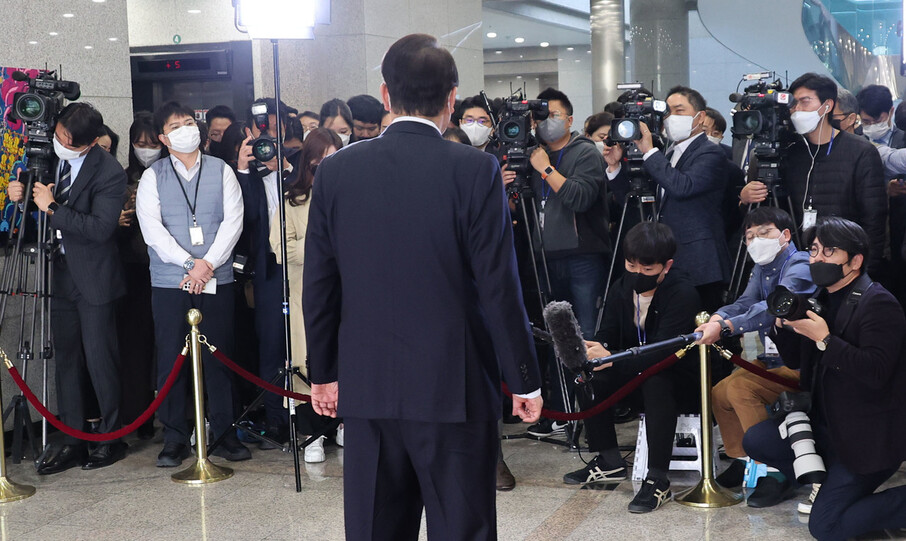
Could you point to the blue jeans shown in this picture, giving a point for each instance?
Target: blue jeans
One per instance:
(847, 505)
(579, 280)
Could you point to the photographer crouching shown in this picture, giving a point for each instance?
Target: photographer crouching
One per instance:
(851, 361)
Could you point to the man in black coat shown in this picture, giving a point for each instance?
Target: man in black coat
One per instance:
(852, 361)
(413, 311)
(83, 206)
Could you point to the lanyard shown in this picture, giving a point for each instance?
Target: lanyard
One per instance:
(545, 187)
(639, 328)
(192, 205)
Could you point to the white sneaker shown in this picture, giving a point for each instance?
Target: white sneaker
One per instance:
(806, 507)
(339, 435)
(314, 453)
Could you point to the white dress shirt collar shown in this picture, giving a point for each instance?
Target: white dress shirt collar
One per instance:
(418, 119)
(181, 169)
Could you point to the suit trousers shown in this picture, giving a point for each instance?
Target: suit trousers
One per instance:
(739, 402)
(169, 307)
(85, 344)
(271, 339)
(847, 505)
(395, 468)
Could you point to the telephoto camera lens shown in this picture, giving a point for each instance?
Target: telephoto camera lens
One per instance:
(808, 464)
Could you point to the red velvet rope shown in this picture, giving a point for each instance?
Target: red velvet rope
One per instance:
(248, 376)
(761, 372)
(131, 427)
(621, 393)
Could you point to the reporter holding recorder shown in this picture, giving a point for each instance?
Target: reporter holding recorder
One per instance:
(852, 361)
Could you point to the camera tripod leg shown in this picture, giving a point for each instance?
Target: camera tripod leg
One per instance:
(739, 264)
(613, 261)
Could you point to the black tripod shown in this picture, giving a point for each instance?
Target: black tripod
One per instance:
(27, 274)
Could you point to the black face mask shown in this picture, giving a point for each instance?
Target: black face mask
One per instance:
(642, 282)
(826, 274)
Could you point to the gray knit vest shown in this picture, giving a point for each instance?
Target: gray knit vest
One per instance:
(177, 217)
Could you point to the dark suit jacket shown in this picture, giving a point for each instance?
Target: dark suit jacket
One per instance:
(861, 378)
(254, 242)
(88, 222)
(691, 206)
(411, 295)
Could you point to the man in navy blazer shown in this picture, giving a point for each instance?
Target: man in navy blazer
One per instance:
(691, 180)
(413, 311)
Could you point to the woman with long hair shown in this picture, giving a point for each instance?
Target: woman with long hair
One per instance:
(319, 144)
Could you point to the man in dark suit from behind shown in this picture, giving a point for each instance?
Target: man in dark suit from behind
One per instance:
(83, 206)
(691, 177)
(412, 345)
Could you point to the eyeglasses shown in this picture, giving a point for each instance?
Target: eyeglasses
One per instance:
(807, 102)
(760, 233)
(558, 115)
(827, 251)
(484, 122)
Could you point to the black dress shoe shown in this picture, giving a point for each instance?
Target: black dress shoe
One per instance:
(505, 479)
(770, 492)
(68, 456)
(106, 454)
(232, 449)
(173, 454)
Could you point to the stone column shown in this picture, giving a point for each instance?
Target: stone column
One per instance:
(660, 42)
(607, 51)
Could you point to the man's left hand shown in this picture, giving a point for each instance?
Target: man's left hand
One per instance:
(646, 143)
(528, 409)
(324, 398)
(710, 333)
(814, 327)
(540, 159)
(42, 195)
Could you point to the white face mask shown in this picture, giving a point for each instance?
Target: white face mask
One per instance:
(805, 122)
(184, 139)
(477, 133)
(146, 156)
(679, 127)
(876, 132)
(64, 153)
(715, 139)
(600, 145)
(763, 251)
(344, 138)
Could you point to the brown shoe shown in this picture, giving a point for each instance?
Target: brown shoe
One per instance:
(505, 479)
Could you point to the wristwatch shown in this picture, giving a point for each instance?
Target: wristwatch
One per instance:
(547, 172)
(822, 344)
(189, 264)
(725, 329)
(53, 207)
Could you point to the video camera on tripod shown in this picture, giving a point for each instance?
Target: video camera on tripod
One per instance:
(514, 134)
(639, 106)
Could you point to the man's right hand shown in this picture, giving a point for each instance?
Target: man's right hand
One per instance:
(15, 191)
(508, 176)
(528, 409)
(710, 333)
(245, 152)
(202, 272)
(753, 192)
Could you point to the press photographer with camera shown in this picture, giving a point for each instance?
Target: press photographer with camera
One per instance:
(828, 172)
(740, 399)
(83, 206)
(691, 180)
(851, 359)
(649, 303)
(567, 181)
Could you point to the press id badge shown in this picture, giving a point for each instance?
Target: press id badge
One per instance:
(770, 348)
(196, 235)
(541, 215)
(809, 218)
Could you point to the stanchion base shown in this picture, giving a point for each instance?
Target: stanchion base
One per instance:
(707, 493)
(201, 472)
(10, 491)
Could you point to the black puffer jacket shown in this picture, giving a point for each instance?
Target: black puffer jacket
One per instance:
(848, 182)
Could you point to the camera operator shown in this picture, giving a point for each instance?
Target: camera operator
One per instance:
(740, 399)
(83, 207)
(829, 172)
(852, 361)
(476, 123)
(649, 303)
(692, 180)
(189, 207)
(261, 195)
(568, 185)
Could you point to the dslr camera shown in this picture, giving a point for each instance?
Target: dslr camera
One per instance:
(785, 304)
(763, 114)
(264, 148)
(38, 108)
(792, 409)
(514, 133)
(639, 106)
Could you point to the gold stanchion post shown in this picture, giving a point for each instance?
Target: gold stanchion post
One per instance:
(9, 490)
(707, 493)
(203, 471)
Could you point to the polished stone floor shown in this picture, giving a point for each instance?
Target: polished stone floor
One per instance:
(134, 500)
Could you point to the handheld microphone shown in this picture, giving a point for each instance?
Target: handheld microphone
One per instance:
(736, 97)
(566, 336)
(680, 340)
